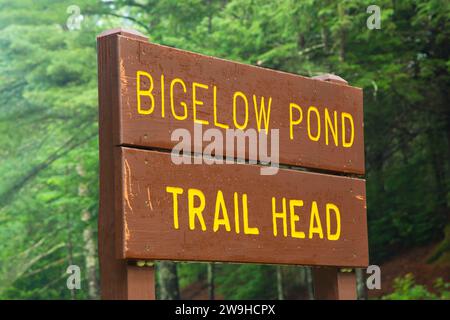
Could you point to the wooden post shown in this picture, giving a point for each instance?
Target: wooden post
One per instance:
(331, 283)
(119, 279)
(141, 282)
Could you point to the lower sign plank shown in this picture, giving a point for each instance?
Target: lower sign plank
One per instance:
(231, 213)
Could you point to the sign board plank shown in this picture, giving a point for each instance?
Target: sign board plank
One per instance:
(162, 89)
(230, 213)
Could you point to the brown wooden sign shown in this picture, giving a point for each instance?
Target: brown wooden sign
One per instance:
(154, 209)
(161, 89)
(232, 213)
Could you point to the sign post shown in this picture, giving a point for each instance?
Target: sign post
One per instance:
(311, 212)
(120, 279)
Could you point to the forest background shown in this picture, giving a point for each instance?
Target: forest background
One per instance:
(49, 133)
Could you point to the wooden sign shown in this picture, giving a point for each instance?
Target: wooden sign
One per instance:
(233, 213)
(154, 209)
(161, 89)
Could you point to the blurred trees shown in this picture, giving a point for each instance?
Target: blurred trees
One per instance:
(48, 120)
(48, 126)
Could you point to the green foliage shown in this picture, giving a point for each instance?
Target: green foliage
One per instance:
(48, 117)
(247, 282)
(405, 288)
(49, 165)
(190, 272)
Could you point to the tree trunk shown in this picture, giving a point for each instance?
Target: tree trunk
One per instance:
(361, 284)
(438, 158)
(378, 182)
(168, 281)
(309, 283)
(69, 242)
(210, 13)
(280, 294)
(70, 249)
(90, 247)
(342, 33)
(211, 276)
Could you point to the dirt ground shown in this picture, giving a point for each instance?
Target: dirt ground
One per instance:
(411, 261)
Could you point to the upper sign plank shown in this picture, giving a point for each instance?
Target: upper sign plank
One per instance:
(161, 89)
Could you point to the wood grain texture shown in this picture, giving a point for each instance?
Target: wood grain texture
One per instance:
(140, 283)
(154, 131)
(332, 284)
(148, 214)
(114, 274)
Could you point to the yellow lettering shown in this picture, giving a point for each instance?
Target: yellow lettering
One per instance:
(163, 107)
(315, 218)
(175, 192)
(196, 211)
(247, 229)
(220, 205)
(316, 111)
(279, 215)
(262, 113)
(244, 98)
(347, 144)
(196, 102)
(236, 212)
(332, 207)
(216, 122)
(172, 104)
(293, 122)
(333, 128)
(295, 218)
(146, 93)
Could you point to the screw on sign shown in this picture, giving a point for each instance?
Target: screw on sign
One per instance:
(152, 209)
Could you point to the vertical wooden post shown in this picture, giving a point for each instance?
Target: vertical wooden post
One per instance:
(331, 283)
(141, 282)
(118, 278)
